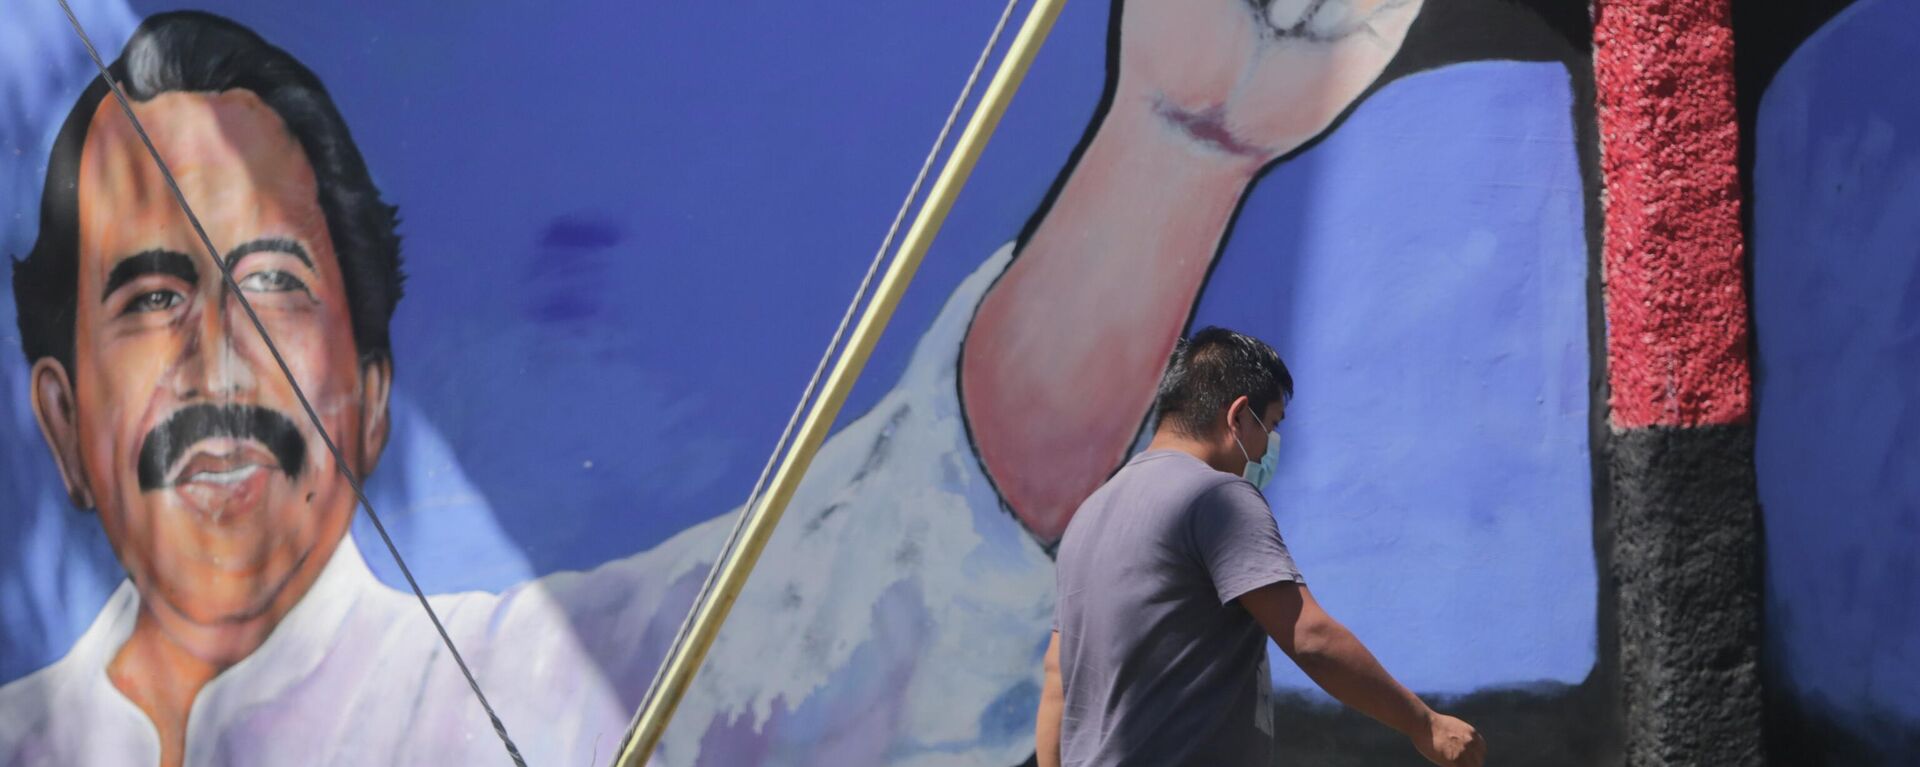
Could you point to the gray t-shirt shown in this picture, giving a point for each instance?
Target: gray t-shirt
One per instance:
(1161, 666)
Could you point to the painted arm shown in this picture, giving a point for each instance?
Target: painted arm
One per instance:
(1065, 351)
(1336, 660)
(1060, 365)
(1053, 700)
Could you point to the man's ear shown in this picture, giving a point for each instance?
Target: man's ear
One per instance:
(59, 419)
(1234, 409)
(376, 385)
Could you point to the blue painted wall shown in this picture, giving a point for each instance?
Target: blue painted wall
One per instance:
(1836, 289)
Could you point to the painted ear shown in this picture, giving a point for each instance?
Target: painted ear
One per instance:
(376, 386)
(54, 409)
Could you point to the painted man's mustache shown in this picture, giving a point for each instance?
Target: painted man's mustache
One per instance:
(188, 426)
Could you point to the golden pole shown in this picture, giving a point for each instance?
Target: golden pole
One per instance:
(650, 723)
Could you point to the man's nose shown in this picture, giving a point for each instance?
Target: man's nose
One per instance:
(213, 362)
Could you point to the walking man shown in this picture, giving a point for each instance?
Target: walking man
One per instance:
(1173, 575)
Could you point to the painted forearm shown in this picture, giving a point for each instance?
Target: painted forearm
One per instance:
(1064, 354)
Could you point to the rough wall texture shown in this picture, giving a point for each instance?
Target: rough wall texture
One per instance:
(1684, 553)
(1678, 347)
(1686, 561)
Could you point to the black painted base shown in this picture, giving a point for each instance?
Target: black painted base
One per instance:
(1800, 732)
(1686, 568)
(1548, 726)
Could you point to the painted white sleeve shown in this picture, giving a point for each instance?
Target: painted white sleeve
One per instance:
(894, 525)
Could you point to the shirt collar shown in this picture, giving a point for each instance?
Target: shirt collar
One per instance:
(289, 654)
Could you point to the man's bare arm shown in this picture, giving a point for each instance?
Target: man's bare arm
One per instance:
(1336, 661)
(1046, 727)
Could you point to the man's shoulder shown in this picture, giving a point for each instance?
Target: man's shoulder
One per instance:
(25, 704)
(34, 686)
(1161, 485)
(1162, 466)
(1177, 480)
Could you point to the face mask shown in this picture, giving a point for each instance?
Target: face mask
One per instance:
(1260, 472)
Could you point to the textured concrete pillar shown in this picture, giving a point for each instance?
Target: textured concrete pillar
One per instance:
(1683, 510)
(1685, 561)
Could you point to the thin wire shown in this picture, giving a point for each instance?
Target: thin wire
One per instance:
(873, 268)
(839, 334)
(226, 273)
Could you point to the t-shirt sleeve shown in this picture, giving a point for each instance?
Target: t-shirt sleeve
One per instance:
(1237, 541)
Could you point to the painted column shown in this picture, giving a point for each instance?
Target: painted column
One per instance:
(1685, 537)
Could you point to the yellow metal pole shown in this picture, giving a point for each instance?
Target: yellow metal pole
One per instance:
(650, 723)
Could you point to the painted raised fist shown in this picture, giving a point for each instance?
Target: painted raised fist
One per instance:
(1254, 78)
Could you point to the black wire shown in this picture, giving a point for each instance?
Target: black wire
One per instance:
(226, 273)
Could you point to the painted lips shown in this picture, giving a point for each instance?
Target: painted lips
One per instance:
(219, 456)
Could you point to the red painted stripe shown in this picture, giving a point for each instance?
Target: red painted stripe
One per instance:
(1669, 144)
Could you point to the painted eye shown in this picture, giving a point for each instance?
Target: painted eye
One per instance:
(154, 301)
(271, 282)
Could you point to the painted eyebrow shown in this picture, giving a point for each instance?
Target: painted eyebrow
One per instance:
(167, 262)
(268, 245)
(180, 265)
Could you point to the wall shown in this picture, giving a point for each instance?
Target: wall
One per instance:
(1836, 287)
(628, 229)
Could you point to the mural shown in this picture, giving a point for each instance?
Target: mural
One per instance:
(558, 363)
(1836, 286)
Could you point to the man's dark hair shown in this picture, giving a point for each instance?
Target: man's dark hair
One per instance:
(201, 53)
(1209, 371)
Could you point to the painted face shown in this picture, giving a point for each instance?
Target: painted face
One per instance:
(216, 494)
